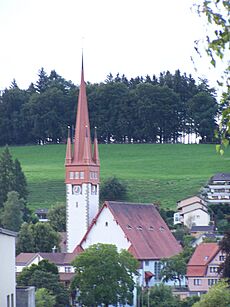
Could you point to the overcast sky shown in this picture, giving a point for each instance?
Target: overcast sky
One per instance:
(132, 37)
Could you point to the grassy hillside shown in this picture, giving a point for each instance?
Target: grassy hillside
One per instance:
(153, 172)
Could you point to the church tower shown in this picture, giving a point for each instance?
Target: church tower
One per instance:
(82, 174)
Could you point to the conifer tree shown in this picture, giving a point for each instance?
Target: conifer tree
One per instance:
(12, 212)
(12, 177)
(6, 175)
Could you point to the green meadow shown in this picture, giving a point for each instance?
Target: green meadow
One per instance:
(153, 173)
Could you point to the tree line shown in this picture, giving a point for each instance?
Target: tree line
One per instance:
(143, 109)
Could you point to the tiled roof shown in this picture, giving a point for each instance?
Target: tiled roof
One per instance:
(43, 210)
(188, 201)
(24, 258)
(221, 177)
(202, 228)
(204, 253)
(196, 270)
(56, 258)
(142, 224)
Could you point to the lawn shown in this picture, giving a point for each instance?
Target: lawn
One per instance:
(152, 172)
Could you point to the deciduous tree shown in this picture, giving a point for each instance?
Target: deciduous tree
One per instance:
(104, 276)
(218, 295)
(57, 217)
(44, 275)
(43, 298)
(113, 189)
(42, 238)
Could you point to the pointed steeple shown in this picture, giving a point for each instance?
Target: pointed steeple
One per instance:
(68, 156)
(95, 148)
(82, 124)
(86, 158)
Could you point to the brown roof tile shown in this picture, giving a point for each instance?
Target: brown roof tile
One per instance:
(142, 224)
(204, 253)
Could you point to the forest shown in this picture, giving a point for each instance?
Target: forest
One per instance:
(141, 110)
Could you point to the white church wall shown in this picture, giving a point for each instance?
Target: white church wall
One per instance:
(107, 231)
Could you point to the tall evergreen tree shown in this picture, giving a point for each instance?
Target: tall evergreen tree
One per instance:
(6, 175)
(12, 177)
(12, 213)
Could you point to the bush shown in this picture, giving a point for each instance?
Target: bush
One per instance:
(113, 189)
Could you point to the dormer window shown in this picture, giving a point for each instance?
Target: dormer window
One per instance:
(151, 228)
(139, 227)
(161, 229)
(129, 227)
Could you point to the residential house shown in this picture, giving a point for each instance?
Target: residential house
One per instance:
(42, 214)
(202, 269)
(219, 189)
(7, 268)
(61, 260)
(192, 211)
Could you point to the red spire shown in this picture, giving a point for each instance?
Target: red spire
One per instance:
(95, 148)
(86, 157)
(68, 156)
(82, 125)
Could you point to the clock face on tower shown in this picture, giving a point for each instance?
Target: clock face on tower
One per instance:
(76, 189)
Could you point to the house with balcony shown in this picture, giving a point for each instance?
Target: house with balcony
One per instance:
(202, 268)
(218, 190)
(192, 211)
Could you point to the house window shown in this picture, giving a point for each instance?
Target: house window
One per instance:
(71, 175)
(67, 269)
(157, 270)
(146, 262)
(76, 175)
(213, 269)
(221, 258)
(8, 301)
(106, 224)
(81, 175)
(197, 282)
(212, 281)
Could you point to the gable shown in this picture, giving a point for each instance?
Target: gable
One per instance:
(106, 230)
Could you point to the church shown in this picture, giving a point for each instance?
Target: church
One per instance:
(136, 227)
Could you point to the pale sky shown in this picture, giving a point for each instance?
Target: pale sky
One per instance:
(132, 37)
